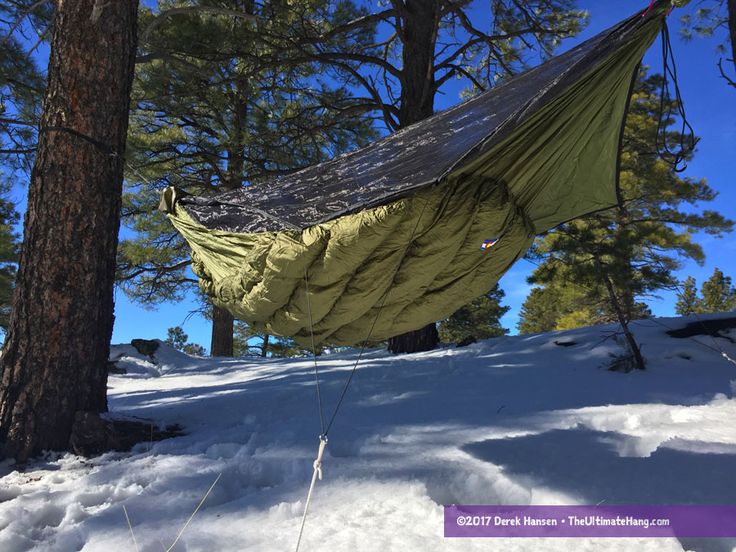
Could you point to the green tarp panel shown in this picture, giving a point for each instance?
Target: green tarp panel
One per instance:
(407, 230)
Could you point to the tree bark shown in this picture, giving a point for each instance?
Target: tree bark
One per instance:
(223, 323)
(54, 364)
(264, 346)
(222, 320)
(222, 333)
(423, 339)
(421, 20)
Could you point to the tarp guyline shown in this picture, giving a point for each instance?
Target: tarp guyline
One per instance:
(435, 213)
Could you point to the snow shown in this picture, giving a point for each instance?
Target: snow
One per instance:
(514, 420)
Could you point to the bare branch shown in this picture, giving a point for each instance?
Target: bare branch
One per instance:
(455, 69)
(17, 151)
(155, 270)
(728, 79)
(23, 14)
(18, 122)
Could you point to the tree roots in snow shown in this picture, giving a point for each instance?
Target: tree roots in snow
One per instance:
(92, 435)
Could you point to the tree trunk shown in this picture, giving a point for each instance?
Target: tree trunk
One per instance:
(264, 346)
(222, 333)
(417, 103)
(54, 364)
(418, 43)
(222, 320)
(423, 339)
(633, 345)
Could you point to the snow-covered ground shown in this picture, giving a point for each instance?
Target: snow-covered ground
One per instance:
(516, 420)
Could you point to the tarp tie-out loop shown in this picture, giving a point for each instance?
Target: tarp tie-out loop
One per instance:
(669, 10)
(317, 473)
(649, 8)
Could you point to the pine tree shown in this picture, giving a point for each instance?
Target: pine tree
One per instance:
(540, 310)
(206, 119)
(179, 340)
(194, 349)
(176, 338)
(479, 319)
(620, 256)
(562, 305)
(248, 342)
(688, 302)
(718, 294)
(54, 362)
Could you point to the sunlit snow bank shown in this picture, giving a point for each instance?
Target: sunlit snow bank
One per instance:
(516, 420)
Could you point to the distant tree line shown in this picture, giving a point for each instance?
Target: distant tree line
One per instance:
(717, 294)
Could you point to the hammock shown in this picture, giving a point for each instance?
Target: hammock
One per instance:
(405, 231)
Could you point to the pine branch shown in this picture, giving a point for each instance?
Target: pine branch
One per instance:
(363, 22)
(158, 270)
(164, 15)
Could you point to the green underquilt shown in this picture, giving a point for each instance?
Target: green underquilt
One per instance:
(419, 258)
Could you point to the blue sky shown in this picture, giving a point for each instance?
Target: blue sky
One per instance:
(711, 108)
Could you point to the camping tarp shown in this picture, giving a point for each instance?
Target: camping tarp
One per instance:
(407, 230)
